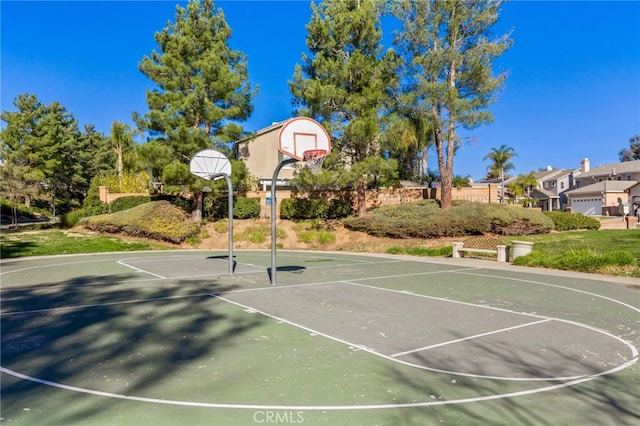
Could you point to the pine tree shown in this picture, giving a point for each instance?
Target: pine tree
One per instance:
(203, 85)
(633, 152)
(43, 146)
(346, 80)
(448, 77)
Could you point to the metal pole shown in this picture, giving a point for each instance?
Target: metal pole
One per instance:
(273, 217)
(230, 213)
(230, 203)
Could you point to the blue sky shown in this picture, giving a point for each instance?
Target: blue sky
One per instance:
(573, 89)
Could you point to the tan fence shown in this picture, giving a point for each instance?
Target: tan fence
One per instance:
(107, 197)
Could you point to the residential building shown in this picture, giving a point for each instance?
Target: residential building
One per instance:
(553, 185)
(261, 155)
(605, 189)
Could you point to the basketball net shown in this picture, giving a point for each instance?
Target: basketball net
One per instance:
(314, 159)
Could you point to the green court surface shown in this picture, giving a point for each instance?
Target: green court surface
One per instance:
(171, 338)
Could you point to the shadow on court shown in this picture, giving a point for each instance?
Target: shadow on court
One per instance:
(607, 396)
(338, 334)
(104, 333)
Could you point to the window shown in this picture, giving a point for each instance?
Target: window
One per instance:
(561, 185)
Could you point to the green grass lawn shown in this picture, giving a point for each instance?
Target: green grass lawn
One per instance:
(612, 251)
(50, 242)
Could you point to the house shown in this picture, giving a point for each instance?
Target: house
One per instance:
(553, 185)
(605, 189)
(634, 200)
(260, 153)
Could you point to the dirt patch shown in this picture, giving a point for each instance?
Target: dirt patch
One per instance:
(346, 240)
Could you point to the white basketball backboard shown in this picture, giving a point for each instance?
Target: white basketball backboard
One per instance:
(210, 164)
(300, 135)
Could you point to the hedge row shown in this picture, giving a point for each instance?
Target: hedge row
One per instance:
(243, 207)
(303, 208)
(424, 219)
(565, 221)
(158, 220)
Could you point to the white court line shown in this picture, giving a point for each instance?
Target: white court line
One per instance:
(121, 262)
(488, 333)
(350, 407)
(441, 299)
(555, 286)
(399, 361)
(632, 348)
(313, 407)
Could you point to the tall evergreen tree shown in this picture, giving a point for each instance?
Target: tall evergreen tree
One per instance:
(633, 152)
(44, 147)
(203, 85)
(96, 153)
(345, 81)
(448, 78)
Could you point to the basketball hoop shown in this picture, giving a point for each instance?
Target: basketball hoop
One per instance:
(314, 159)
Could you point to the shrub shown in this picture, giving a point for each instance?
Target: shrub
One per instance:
(184, 204)
(258, 234)
(339, 208)
(566, 221)
(243, 207)
(71, 219)
(316, 237)
(221, 226)
(424, 219)
(158, 220)
(421, 251)
(246, 208)
(321, 208)
(128, 202)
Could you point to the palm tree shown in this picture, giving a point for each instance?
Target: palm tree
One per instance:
(500, 161)
(528, 182)
(516, 191)
(461, 181)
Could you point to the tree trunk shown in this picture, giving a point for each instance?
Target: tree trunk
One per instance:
(446, 194)
(119, 165)
(196, 214)
(362, 197)
(446, 178)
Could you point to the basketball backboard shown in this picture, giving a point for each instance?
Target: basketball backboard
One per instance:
(300, 135)
(210, 164)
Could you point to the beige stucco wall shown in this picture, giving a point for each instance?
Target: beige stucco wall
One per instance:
(478, 194)
(107, 197)
(261, 156)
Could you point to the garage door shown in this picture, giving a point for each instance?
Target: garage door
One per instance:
(590, 206)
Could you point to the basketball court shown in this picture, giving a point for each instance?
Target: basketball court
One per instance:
(165, 338)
